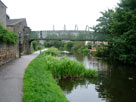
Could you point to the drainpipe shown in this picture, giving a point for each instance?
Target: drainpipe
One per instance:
(19, 37)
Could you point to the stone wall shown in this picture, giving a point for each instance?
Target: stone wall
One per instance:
(7, 53)
(2, 14)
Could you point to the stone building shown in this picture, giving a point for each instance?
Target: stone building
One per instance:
(20, 26)
(11, 52)
(7, 52)
(2, 14)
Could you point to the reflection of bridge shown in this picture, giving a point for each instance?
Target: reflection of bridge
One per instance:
(75, 35)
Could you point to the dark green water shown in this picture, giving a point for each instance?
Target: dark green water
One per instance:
(115, 83)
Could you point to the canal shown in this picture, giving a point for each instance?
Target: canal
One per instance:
(115, 83)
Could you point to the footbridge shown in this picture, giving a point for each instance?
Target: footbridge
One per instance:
(74, 35)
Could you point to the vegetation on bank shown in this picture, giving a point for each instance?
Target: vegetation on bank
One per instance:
(65, 68)
(39, 80)
(7, 36)
(39, 84)
(51, 51)
(54, 43)
(119, 25)
(72, 46)
(36, 46)
(77, 46)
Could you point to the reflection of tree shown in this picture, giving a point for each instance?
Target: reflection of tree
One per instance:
(69, 85)
(118, 85)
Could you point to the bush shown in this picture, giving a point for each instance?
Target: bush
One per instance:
(39, 47)
(78, 45)
(85, 51)
(68, 46)
(101, 52)
(7, 36)
(35, 44)
(51, 51)
(89, 45)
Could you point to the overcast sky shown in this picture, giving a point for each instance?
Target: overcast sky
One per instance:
(42, 14)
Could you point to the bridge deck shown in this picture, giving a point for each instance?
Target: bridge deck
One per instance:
(74, 35)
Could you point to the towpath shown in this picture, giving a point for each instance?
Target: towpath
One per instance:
(11, 78)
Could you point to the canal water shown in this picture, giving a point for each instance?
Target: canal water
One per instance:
(115, 83)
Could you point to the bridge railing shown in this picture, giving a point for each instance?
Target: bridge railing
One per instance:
(67, 35)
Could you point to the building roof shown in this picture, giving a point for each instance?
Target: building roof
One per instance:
(3, 3)
(12, 22)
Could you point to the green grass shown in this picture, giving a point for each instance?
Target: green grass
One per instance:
(66, 68)
(39, 83)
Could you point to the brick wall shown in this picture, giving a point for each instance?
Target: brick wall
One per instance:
(7, 53)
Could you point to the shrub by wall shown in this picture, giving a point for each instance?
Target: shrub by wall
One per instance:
(7, 36)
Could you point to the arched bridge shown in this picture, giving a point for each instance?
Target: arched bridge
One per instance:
(74, 35)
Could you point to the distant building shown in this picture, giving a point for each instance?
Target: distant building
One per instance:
(2, 14)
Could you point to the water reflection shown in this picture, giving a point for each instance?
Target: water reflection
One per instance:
(80, 90)
(90, 62)
(69, 85)
(114, 84)
(117, 85)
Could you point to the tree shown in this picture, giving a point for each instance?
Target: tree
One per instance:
(35, 44)
(104, 22)
(121, 25)
(123, 28)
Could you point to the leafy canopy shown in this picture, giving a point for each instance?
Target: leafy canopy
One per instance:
(120, 25)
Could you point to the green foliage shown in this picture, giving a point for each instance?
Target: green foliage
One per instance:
(7, 36)
(35, 44)
(120, 25)
(40, 47)
(39, 85)
(94, 53)
(101, 52)
(66, 68)
(84, 50)
(57, 44)
(68, 46)
(77, 46)
(89, 45)
(104, 22)
(73, 46)
(51, 51)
